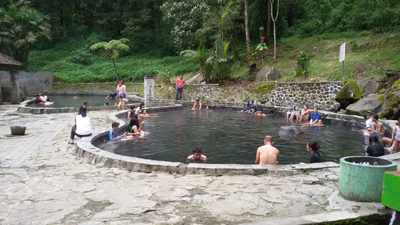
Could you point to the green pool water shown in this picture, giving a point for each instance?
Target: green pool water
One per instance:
(233, 137)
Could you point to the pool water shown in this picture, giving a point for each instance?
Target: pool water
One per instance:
(233, 137)
(61, 101)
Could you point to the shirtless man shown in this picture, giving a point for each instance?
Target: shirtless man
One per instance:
(380, 130)
(197, 156)
(305, 115)
(260, 113)
(267, 154)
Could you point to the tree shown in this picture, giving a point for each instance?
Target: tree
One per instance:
(20, 27)
(274, 21)
(246, 24)
(111, 50)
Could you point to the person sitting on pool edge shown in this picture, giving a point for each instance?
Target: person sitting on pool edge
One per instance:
(375, 148)
(197, 156)
(252, 108)
(305, 115)
(267, 154)
(139, 109)
(197, 105)
(380, 130)
(315, 116)
(295, 114)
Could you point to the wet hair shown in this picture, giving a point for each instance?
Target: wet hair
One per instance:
(134, 122)
(268, 138)
(85, 103)
(260, 109)
(132, 107)
(313, 145)
(367, 114)
(373, 138)
(122, 82)
(196, 150)
(82, 110)
(115, 124)
(106, 103)
(375, 116)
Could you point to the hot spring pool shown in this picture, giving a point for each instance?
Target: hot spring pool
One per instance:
(233, 137)
(61, 101)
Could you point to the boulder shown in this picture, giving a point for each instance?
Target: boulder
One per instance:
(370, 86)
(371, 103)
(392, 108)
(288, 132)
(349, 94)
(267, 73)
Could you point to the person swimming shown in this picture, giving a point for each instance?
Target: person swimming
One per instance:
(197, 156)
(75, 97)
(197, 105)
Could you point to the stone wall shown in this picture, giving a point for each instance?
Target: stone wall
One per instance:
(95, 88)
(320, 94)
(29, 83)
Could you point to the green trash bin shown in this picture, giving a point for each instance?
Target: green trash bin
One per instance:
(361, 177)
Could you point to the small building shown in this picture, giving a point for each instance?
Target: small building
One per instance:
(12, 65)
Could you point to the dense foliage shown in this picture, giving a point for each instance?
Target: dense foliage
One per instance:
(160, 28)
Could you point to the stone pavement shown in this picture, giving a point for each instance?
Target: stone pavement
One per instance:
(41, 182)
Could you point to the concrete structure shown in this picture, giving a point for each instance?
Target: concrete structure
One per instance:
(359, 181)
(148, 91)
(29, 83)
(6, 61)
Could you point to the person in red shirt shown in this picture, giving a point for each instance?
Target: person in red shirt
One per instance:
(179, 86)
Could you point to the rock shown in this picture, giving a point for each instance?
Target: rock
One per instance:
(371, 103)
(268, 73)
(288, 132)
(369, 86)
(349, 94)
(392, 108)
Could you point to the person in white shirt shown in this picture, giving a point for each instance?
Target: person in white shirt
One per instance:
(82, 126)
(139, 110)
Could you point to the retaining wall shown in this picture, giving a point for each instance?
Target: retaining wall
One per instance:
(29, 83)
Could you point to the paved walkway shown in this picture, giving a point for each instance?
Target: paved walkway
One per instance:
(41, 182)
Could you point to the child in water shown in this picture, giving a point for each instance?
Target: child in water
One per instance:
(197, 156)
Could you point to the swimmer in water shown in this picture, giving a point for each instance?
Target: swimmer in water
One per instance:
(75, 97)
(260, 113)
(197, 156)
(106, 104)
(197, 105)
(145, 114)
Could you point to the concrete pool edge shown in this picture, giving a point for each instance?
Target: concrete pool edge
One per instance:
(24, 108)
(90, 153)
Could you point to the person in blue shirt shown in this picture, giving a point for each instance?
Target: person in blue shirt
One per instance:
(114, 132)
(315, 116)
(247, 108)
(252, 108)
(295, 114)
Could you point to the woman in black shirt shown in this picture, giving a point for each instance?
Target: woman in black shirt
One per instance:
(375, 148)
(316, 157)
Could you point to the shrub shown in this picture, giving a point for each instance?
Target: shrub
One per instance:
(303, 62)
(81, 56)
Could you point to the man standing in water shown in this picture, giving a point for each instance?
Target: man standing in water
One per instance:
(179, 86)
(267, 154)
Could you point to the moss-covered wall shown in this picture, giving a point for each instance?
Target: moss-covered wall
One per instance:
(320, 94)
(94, 88)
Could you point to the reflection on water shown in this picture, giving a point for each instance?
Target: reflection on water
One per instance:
(61, 101)
(233, 137)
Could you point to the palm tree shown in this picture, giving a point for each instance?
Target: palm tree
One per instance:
(20, 27)
(111, 50)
